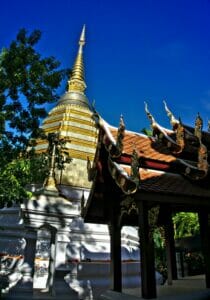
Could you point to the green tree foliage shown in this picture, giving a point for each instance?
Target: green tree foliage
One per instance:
(27, 82)
(147, 131)
(160, 253)
(13, 178)
(185, 224)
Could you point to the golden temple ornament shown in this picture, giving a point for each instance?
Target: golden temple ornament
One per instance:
(50, 182)
(202, 150)
(120, 135)
(203, 159)
(77, 81)
(198, 127)
(57, 157)
(180, 136)
(135, 167)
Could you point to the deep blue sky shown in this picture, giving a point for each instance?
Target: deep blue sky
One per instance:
(136, 51)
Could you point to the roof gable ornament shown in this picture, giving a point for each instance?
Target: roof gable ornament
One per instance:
(177, 127)
(120, 135)
(180, 136)
(122, 178)
(202, 150)
(174, 122)
(115, 148)
(198, 127)
(135, 167)
(203, 159)
(149, 115)
(163, 135)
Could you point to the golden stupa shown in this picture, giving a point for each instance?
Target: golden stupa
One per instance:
(72, 119)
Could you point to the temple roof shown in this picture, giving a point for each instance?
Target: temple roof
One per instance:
(173, 163)
(143, 144)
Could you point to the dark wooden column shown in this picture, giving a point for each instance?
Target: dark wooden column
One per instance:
(148, 281)
(30, 249)
(205, 241)
(115, 240)
(170, 249)
(51, 276)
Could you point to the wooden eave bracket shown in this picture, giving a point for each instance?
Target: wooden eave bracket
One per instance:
(127, 184)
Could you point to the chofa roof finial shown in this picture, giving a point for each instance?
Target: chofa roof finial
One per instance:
(174, 122)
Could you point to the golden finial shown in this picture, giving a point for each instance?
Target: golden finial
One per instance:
(77, 81)
(122, 123)
(198, 127)
(120, 135)
(174, 122)
(82, 37)
(50, 182)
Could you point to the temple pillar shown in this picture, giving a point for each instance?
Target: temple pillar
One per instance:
(116, 267)
(148, 280)
(52, 259)
(45, 260)
(205, 242)
(170, 249)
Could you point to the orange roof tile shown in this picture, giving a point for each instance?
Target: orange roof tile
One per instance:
(153, 181)
(146, 146)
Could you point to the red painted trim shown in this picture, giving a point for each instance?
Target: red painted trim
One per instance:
(156, 165)
(147, 163)
(124, 159)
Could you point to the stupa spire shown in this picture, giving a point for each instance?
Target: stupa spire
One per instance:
(77, 81)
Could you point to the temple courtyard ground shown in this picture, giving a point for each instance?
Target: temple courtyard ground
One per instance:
(187, 288)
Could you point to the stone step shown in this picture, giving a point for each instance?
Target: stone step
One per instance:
(111, 295)
(31, 297)
(23, 291)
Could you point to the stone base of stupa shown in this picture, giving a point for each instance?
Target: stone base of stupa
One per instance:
(68, 256)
